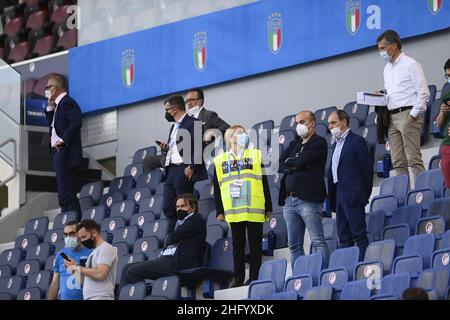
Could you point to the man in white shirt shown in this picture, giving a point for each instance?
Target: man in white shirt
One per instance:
(407, 95)
(64, 119)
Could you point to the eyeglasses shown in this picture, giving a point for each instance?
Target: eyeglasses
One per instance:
(49, 87)
(168, 109)
(191, 100)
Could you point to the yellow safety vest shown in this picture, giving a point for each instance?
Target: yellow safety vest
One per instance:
(250, 205)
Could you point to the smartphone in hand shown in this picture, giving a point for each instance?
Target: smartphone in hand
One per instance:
(158, 142)
(64, 256)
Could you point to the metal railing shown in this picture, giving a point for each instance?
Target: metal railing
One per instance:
(14, 160)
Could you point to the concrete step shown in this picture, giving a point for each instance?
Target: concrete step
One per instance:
(6, 246)
(20, 231)
(51, 214)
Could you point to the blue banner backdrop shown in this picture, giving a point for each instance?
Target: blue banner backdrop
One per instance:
(238, 42)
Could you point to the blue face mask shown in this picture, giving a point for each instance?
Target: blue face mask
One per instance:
(242, 140)
(385, 56)
(71, 242)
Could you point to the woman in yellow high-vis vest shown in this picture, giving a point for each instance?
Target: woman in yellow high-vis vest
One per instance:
(242, 198)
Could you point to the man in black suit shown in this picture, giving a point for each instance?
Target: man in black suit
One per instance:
(194, 108)
(184, 247)
(303, 191)
(184, 155)
(64, 118)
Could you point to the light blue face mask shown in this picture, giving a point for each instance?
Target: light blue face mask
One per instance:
(385, 56)
(242, 140)
(71, 242)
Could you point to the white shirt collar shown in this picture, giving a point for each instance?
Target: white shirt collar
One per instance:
(60, 97)
(398, 58)
(182, 118)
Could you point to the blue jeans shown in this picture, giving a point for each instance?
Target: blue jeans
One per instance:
(299, 215)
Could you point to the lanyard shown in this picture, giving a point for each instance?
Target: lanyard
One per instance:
(239, 164)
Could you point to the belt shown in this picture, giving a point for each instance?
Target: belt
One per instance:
(401, 109)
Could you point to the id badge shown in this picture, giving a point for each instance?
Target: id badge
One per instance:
(235, 191)
(238, 183)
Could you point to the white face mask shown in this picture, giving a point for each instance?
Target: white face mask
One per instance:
(48, 94)
(302, 130)
(336, 132)
(448, 81)
(193, 111)
(385, 56)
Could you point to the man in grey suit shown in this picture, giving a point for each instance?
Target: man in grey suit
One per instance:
(195, 100)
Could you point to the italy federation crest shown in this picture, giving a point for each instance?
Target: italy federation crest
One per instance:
(200, 50)
(435, 6)
(353, 16)
(275, 28)
(128, 67)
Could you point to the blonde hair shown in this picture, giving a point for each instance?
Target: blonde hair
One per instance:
(229, 134)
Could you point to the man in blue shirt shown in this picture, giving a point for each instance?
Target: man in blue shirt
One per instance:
(63, 281)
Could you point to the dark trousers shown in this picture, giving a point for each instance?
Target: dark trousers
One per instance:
(176, 185)
(67, 182)
(151, 163)
(351, 227)
(254, 231)
(135, 272)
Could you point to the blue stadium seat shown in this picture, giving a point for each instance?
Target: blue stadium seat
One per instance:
(40, 252)
(29, 294)
(92, 191)
(408, 215)
(110, 225)
(49, 263)
(150, 179)
(64, 217)
(435, 162)
(274, 196)
(153, 204)
(270, 279)
(165, 288)
(375, 225)
(206, 192)
(28, 267)
(124, 260)
(387, 203)
(205, 207)
(393, 286)
(323, 114)
(431, 224)
(340, 268)
(122, 248)
(397, 186)
(40, 280)
(284, 296)
(200, 185)
(435, 280)
(445, 244)
(433, 91)
(430, 179)
(25, 241)
(288, 123)
(59, 245)
(141, 154)
(146, 245)
(285, 138)
(330, 141)
(127, 235)
(159, 191)
(214, 233)
(377, 261)
(319, 293)
(354, 124)
(446, 193)
(134, 291)
(12, 285)
(212, 221)
(121, 185)
(434, 111)
(37, 226)
(275, 180)
(110, 198)
(125, 209)
(12, 258)
(263, 132)
(322, 130)
(441, 259)
(305, 273)
(139, 194)
(440, 208)
(134, 170)
(277, 225)
(357, 111)
(422, 197)
(5, 271)
(98, 213)
(158, 229)
(371, 119)
(445, 89)
(139, 219)
(369, 133)
(382, 164)
(53, 236)
(356, 290)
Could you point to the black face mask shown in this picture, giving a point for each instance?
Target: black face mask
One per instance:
(169, 117)
(89, 243)
(182, 214)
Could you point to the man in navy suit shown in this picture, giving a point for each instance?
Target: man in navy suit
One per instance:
(350, 181)
(184, 160)
(64, 118)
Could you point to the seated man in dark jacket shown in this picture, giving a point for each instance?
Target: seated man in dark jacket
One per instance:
(184, 247)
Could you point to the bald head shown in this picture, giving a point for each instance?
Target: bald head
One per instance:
(308, 119)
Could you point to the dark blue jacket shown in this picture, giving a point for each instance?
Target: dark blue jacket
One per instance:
(305, 170)
(196, 142)
(68, 124)
(355, 174)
